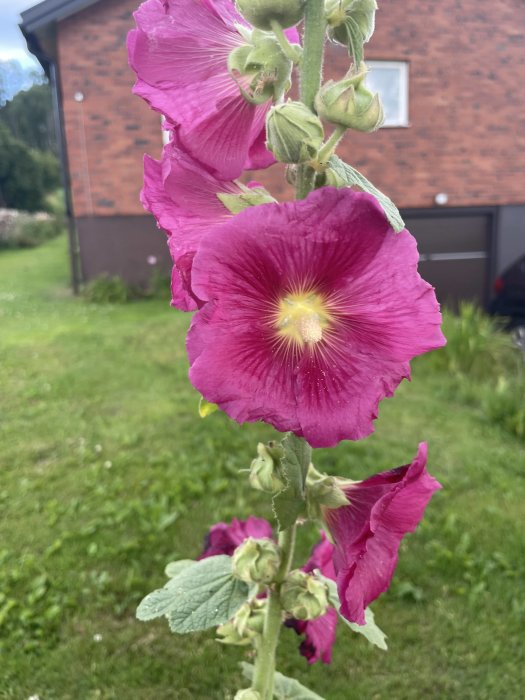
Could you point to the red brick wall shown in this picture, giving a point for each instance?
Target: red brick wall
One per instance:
(466, 103)
(466, 111)
(109, 131)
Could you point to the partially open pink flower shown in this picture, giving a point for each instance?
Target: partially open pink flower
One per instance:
(368, 532)
(319, 634)
(224, 539)
(182, 195)
(179, 52)
(313, 310)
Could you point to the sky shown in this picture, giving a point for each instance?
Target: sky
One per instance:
(12, 42)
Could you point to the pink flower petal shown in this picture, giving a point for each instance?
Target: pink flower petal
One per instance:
(224, 539)
(368, 532)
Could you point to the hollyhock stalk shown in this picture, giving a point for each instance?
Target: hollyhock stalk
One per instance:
(311, 68)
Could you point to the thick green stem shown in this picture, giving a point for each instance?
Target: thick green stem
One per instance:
(311, 70)
(265, 662)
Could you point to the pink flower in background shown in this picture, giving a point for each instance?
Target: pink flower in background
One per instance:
(179, 52)
(319, 634)
(224, 539)
(182, 196)
(313, 310)
(367, 533)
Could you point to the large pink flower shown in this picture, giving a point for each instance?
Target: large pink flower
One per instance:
(313, 310)
(367, 532)
(182, 195)
(224, 539)
(319, 634)
(179, 52)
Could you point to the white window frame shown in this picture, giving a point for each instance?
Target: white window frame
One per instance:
(402, 66)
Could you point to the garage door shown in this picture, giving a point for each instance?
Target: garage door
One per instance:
(454, 252)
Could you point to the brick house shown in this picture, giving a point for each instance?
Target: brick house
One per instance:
(452, 156)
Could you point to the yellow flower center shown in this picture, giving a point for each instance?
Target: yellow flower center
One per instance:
(301, 318)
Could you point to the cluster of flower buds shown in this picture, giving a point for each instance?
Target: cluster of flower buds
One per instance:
(263, 14)
(256, 561)
(349, 103)
(247, 694)
(246, 626)
(294, 133)
(304, 596)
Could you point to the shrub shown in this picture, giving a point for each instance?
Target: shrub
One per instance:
(476, 345)
(504, 403)
(22, 230)
(106, 289)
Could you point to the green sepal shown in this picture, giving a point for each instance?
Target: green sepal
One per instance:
(204, 594)
(349, 177)
(284, 688)
(249, 197)
(289, 503)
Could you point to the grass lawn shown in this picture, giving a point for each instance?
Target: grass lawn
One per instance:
(107, 473)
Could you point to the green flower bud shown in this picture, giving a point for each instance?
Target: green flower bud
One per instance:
(247, 694)
(246, 625)
(256, 561)
(261, 13)
(264, 472)
(304, 596)
(323, 490)
(349, 103)
(266, 66)
(351, 22)
(295, 134)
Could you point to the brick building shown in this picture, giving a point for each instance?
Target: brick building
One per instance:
(452, 157)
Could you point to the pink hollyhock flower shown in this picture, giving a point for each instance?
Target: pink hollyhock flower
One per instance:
(367, 533)
(313, 310)
(224, 539)
(182, 196)
(179, 52)
(319, 634)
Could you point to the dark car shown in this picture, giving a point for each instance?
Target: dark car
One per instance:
(509, 298)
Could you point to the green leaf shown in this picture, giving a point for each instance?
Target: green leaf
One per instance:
(204, 594)
(290, 502)
(174, 568)
(249, 197)
(284, 688)
(355, 40)
(353, 178)
(369, 630)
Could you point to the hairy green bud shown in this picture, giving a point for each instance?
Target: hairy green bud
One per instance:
(294, 133)
(256, 561)
(264, 472)
(246, 625)
(304, 596)
(262, 13)
(349, 103)
(351, 23)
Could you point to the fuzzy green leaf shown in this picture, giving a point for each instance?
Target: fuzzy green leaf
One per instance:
(353, 178)
(369, 630)
(204, 594)
(290, 502)
(284, 688)
(174, 568)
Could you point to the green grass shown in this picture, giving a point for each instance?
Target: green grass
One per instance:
(107, 473)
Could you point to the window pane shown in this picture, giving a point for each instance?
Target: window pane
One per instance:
(389, 80)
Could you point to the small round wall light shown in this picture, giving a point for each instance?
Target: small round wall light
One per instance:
(441, 199)
(79, 97)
